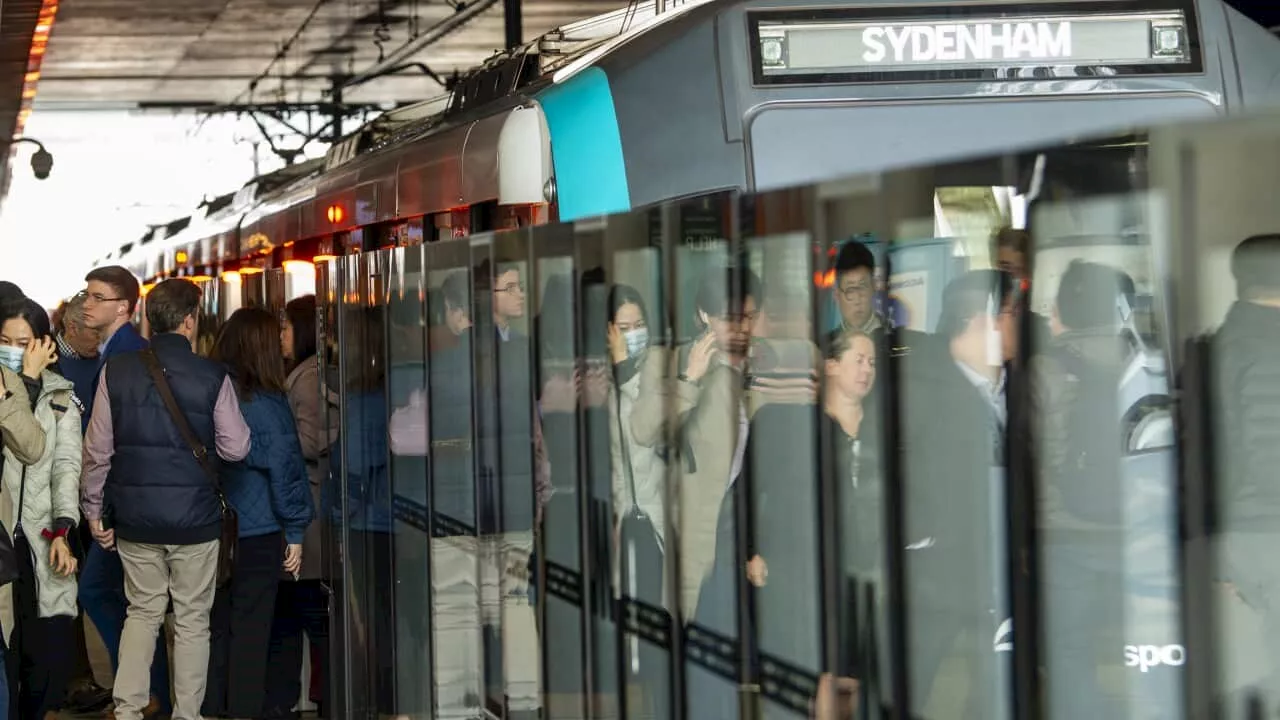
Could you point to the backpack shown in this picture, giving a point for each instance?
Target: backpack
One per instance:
(1089, 480)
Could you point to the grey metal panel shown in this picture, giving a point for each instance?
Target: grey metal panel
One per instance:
(429, 179)
(1257, 60)
(794, 144)
(669, 112)
(480, 160)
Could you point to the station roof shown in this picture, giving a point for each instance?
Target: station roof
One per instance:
(204, 54)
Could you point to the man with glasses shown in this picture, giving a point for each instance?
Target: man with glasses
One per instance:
(855, 289)
(110, 296)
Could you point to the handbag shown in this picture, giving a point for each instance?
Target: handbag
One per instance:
(230, 540)
(9, 569)
(635, 516)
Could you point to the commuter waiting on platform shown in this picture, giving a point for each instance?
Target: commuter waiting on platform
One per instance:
(271, 494)
(39, 506)
(110, 296)
(302, 604)
(146, 485)
(24, 442)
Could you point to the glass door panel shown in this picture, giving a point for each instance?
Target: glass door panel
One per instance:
(455, 556)
(408, 428)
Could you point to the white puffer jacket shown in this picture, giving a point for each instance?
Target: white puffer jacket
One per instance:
(52, 491)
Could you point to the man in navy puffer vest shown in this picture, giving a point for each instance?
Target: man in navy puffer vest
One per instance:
(162, 506)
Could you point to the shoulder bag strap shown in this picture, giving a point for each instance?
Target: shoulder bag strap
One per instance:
(626, 449)
(198, 449)
(22, 500)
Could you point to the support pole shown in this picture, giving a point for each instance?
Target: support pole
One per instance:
(336, 109)
(513, 23)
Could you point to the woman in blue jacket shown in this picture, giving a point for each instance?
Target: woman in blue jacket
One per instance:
(271, 494)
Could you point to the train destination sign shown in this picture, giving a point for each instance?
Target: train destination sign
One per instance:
(824, 47)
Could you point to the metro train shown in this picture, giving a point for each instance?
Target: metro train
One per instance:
(636, 107)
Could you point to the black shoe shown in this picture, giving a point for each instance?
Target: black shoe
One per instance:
(86, 697)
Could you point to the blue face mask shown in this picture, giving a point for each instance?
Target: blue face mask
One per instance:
(637, 340)
(11, 357)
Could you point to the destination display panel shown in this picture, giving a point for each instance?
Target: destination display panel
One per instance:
(1079, 39)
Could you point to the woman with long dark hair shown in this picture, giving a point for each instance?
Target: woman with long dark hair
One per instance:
(302, 603)
(271, 495)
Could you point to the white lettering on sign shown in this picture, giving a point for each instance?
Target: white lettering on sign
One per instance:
(1145, 657)
(984, 41)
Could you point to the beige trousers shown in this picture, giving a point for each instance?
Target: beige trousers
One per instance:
(151, 574)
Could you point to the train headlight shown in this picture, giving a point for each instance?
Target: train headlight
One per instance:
(773, 51)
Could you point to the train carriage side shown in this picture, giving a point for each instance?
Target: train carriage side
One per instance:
(773, 93)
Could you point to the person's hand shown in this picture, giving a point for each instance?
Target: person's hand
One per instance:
(700, 357)
(837, 698)
(293, 559)
(595, 388)
(560, 392)
(757, 571)
(60, 557)
(105, 538)
(617, 344)
(40, 354)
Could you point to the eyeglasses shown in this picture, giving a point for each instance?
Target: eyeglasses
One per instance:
(95, 298)
(853, 290)
(510, 288)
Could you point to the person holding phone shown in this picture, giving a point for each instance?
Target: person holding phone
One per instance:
(40, 508)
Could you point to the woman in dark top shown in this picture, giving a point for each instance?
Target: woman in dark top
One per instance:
(849, 421)
(271, 494)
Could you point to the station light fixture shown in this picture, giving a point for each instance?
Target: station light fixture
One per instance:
(41, 161)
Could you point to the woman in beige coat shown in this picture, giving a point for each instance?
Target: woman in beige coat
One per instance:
(302, 602)
(40, 508)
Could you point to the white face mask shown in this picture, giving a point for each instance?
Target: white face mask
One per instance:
(637, 340)
(11, 357)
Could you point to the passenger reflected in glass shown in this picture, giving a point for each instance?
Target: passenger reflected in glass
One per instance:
(639, 476)
(514, 487)
(705, 409)
(1012, 252)
(1075, 381)
(855, 289)
(1246, 367)
(455, 549)
(708, 378)
(953, 431)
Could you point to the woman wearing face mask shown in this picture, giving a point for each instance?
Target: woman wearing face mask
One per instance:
(48, 493)
(639, 476)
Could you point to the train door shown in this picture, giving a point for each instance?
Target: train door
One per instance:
(330, 293)
(253, 287)
(456, 543)
(564, 599)
(359, 498)
(274, 284)
(510, 465)
(641, 634)
(409, 399)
